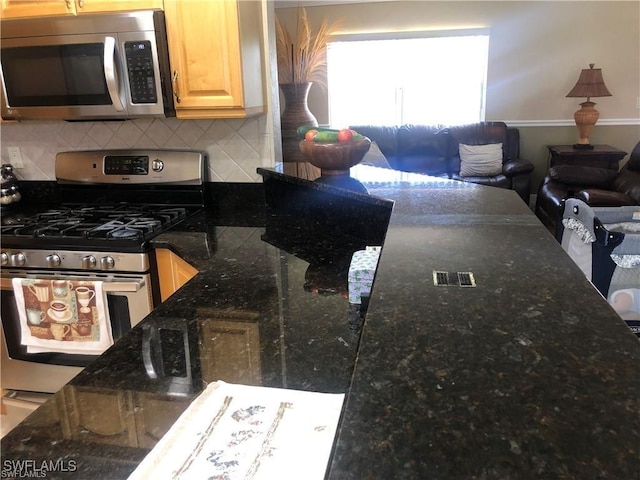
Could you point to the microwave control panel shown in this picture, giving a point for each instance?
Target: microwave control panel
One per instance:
(142, 80)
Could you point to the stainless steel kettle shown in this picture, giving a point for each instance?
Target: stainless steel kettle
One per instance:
(9, 188)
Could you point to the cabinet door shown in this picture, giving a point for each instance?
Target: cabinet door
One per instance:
(206, 46)
(44, 8)
(40, 421)
(155, 414)
(94, 6)
(173, 272)
(230, 347)
(97, 415)
(36, 8)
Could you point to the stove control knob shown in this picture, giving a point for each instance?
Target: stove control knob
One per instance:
(107, 263)
(89, 262)
(18, 259)
(53, 260)
(4, 259)
(157, 165)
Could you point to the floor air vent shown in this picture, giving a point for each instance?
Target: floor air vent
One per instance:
(453, 279)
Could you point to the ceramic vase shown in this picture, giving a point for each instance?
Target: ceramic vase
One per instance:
(296, 113)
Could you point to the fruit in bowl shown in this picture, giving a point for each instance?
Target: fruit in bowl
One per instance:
(333, 151)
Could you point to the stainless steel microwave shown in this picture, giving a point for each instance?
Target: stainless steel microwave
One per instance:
(86, 67)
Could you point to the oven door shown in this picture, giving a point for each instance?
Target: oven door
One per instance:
(129, 301)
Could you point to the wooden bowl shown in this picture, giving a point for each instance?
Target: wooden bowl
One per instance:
(334, 158)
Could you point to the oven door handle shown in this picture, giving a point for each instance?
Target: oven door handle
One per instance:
(107, 286)
(116, 287)
(149, 335)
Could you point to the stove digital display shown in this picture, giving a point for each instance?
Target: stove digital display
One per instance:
(126, 165)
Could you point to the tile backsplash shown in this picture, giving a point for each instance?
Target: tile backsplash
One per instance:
(236, 147)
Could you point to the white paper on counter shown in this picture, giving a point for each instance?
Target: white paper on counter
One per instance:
(244, 432)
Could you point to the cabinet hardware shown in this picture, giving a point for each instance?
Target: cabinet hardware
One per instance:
(175, 86)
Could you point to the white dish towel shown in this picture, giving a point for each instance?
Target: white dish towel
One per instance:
(243, 432)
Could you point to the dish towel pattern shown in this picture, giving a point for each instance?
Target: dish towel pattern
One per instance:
(63, 316)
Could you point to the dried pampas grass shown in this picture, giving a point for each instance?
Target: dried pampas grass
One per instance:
(304, 58)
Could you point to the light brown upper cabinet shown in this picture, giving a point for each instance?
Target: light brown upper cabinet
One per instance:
(44, 8)
(216, 56)
(36, 8)
(95, 6)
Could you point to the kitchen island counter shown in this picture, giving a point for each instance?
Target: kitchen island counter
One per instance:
(527, 374)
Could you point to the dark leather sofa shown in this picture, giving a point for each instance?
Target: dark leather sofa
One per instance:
(597, 187)
(434, 151)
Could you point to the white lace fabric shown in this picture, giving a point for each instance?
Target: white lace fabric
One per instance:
(580, 228)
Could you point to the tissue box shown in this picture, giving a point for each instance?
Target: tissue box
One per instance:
(361, 272)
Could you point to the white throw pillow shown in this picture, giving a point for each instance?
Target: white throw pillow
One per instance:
(480, 160)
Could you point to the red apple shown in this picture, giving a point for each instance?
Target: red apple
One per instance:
(345, 135)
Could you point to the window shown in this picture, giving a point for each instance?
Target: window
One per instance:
(430, 81)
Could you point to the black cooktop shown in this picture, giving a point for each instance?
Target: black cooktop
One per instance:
(121, 227)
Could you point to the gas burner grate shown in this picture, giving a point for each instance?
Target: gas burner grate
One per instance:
(126, 232)
(104, 222)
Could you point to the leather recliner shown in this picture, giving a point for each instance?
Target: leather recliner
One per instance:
(597, 187)
(434, 151)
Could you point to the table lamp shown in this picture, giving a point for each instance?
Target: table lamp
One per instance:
(590, 84)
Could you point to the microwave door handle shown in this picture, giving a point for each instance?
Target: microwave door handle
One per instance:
(110, 74)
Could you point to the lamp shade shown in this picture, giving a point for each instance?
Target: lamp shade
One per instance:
(590, 84)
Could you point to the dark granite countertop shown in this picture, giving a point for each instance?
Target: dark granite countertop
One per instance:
(529, 374)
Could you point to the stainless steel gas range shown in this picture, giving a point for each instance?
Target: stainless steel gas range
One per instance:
(109, 205)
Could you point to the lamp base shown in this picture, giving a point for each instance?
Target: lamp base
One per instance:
(585, 119)
(582, 146)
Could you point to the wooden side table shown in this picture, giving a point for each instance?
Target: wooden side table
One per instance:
(603, 156)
